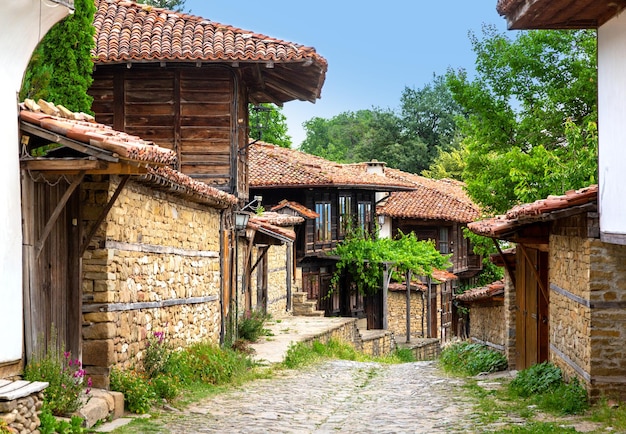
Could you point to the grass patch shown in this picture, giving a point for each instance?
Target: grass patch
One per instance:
(466, 358)
(306, 353)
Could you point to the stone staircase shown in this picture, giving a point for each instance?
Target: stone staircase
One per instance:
(304, 307)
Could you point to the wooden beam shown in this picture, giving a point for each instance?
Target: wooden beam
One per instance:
(62, 166)
(57, 211)
(103, 215)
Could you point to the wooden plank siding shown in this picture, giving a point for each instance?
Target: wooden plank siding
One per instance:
(201, 113)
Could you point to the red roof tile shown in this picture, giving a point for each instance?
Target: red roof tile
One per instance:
(278, 219)
(126, 146)
(131, 149)
(297, 207)
(432, 199)
(483, 293)
(257, 223)
(540, 210)
(131, 32)
(271, 166)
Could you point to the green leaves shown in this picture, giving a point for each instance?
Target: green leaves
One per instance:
(531, 114)
(364, 258)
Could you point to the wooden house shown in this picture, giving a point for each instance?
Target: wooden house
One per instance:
(437, 210)
(185, 82)
(16, 47)
(331, 197)
(117, 244)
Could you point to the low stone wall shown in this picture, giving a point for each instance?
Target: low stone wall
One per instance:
(377, 342)
(154, 266)
(487, 325)
(423, 349)
(346, 332)
(22, 413)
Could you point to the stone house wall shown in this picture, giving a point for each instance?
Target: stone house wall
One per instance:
(487, 326)
(587, 300)
(509, 310)
(155, 268)
(396, 313)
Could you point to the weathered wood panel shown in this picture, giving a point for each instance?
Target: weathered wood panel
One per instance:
(194, 111)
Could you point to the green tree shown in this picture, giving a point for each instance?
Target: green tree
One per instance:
(448, 164)
(530, 129)
(364, 256)
(172, 5)
(429, 116)
(60, 68)
(268, 123)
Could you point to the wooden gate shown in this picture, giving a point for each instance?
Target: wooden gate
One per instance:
(52, 266)
(531, 321)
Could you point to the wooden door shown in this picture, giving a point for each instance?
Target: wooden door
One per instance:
(53, 287)
(531, 320)
(261, 284)
(432, 314)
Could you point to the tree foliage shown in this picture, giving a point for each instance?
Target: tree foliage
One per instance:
(172, 5)
(530, 129)
(408, 140)
(268, 123)
(61, 66)
(363, 257)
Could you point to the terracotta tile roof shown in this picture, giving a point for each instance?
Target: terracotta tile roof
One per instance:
(432, 199)
(129, 32)
(278, 219)
(401, 287)
(271, 166)
(259, 224)
(557, 14)
(296, 207)
(483, 293)
(541, 210)
(443, 275)
(127, 148)
(179, 184)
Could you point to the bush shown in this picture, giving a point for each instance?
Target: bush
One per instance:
(250, 327)
(537, 379)
(211, 364)
(139, 395)
(156, 355)
(467, 358)
(65, 377)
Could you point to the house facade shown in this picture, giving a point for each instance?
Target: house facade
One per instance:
(333, 198)
(566, 292)
(437, 210)
(16, 47)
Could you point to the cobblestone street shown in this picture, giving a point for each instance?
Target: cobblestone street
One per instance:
(337, 396)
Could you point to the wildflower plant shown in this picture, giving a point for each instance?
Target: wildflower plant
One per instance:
(156, 355)
(66, 378)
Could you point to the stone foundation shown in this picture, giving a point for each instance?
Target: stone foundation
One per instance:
(20, 407)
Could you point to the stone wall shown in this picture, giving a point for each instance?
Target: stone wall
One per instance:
(487, 325)
(154, 266)
(276, 281)
(22, 415)
(396, 309)
(587, 301)
(509, 309)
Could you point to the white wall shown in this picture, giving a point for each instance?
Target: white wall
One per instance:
(612, 131)
(22, 25)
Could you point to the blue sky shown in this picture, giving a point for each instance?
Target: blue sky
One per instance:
(374, 49)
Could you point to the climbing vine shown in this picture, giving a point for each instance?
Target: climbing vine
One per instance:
(364, 257)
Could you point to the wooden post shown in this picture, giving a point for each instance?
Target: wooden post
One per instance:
(428, 313)
(385, 289)
(408, 307)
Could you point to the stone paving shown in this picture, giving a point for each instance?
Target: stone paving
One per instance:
(337, 396)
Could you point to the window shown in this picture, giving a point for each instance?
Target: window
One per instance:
(364, 215)
(322, 222)
(444, 243)
(345, 213)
